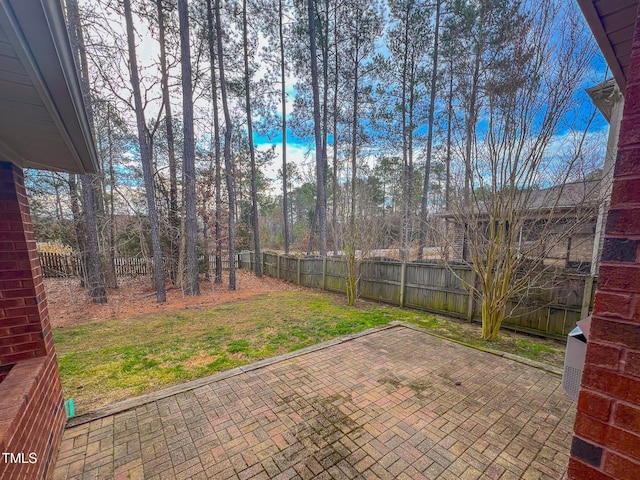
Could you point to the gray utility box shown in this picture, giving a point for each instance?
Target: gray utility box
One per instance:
(574, 358)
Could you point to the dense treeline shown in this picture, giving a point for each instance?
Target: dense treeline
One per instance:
(308, 125)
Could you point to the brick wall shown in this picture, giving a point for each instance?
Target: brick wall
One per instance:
(32, 418)
(25, 329)
(32, 414)
(606, 443)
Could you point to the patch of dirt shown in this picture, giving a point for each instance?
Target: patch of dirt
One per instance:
(201, 360)
(70, 305)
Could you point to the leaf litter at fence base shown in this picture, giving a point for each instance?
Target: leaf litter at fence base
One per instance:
(139, 348)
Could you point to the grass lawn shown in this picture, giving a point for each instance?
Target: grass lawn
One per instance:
(104, 362)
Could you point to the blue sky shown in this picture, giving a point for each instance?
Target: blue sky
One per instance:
(300, 150)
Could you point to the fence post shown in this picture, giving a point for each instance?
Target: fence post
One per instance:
(403, 281)
(278, 265)
(470, 303)
(298, 270)
(263, 261)
(586, 296)
(324, 273)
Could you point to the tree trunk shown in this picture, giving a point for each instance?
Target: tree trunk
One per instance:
(80, 227)
(95, 275)
(493, 314)
(174, 221)
(447, 187)
(94, 269)
(334, 205)
(112, 185)
(410, 172)
(350, 249)
(145, 158)
(227, 151)
(325, 111)
(252, 153)
(427, 166)
(471, 119)
(283, 98)
(321, 201)
(189, 166)
(216, 139)
(354, 150)
(406, 200)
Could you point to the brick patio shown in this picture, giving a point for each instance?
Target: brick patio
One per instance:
(395, 403)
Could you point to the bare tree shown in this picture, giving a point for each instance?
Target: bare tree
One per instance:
(211, 38)
(95, 274)
(321, 200)
(174, 222)
(227, 150)
(363, 25)
(283, 101)
(252, 153)
(407, 43)
(509, 221)
(145, 158)
(335, 116)
(189, 167)
(369, 232)
(427, 165)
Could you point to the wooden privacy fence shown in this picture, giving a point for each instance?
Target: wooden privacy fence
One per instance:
(69, 265)
(60, 264)
(551, 312)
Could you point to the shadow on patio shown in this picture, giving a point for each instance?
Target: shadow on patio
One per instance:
(389, 403)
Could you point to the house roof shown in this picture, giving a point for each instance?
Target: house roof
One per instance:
(565, 196)
(43, 123)
(613, 24)
(559, 198)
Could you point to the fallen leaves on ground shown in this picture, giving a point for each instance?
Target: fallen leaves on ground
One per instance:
(69, 304)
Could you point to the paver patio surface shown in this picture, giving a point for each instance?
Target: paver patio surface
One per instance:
(396, 403)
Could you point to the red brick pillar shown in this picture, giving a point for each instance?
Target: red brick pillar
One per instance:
(32, 414)
(606, 442)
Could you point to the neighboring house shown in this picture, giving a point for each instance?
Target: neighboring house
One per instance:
(43, 125)
(569, 243)
(558, 222)
(581, 249)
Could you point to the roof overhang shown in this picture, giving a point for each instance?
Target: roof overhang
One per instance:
(43, 123)
(613, 25)
(604, 97)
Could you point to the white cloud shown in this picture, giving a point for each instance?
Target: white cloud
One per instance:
(297, 154)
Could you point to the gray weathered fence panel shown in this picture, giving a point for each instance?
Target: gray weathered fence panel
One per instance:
(551, 311)
(336, 274)
(69, 265)
(436, 288)
(311, 272)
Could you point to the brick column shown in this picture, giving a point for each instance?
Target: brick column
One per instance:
(457, 243)
(606, 442)
(25, 330)
(31, 404)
